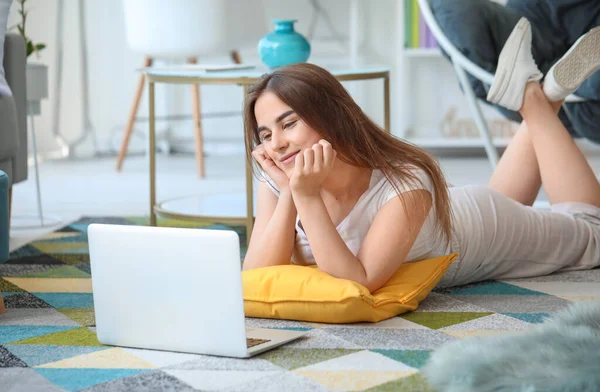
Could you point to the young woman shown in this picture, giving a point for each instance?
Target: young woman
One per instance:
(344, 194)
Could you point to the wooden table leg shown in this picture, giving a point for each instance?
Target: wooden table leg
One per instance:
(132, 115)
(2, 307)
(152, 152)
(199, 142)
(249, 192)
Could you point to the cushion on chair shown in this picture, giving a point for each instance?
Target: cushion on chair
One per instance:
(302, 293)
(4, 10)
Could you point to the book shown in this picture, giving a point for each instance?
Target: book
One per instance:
(415, 23)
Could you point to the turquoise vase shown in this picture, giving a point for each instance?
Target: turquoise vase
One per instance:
(283, 45)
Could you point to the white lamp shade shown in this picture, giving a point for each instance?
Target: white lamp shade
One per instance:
(175, 28)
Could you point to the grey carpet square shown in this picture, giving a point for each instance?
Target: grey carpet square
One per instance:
(24, 300)
(400, 339)
(12, 270)
(207, 362)
(436, 302)
(589, 276)
(156, 381)
(273, 323)
(516, 303)
(36, 316)
(25, 380)
(322, 338)
(293, 383)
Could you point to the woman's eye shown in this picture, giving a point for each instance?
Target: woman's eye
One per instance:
(266, 136)
(288, 124)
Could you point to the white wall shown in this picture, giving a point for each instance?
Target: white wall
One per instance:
(113, 77)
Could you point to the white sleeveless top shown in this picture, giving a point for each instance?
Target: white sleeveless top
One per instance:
(356, 224)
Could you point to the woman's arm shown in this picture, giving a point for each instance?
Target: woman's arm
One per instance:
(386, 245)
(273, 235)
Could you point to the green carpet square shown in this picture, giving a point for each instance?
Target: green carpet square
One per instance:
(437, 320)
(7, 287)
(72, 337)
(72, 258)
(85, 317)
(65, 271)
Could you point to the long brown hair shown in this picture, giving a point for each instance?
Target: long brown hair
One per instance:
(323, 103)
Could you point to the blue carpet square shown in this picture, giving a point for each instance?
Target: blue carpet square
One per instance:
(67, 300)
(14, 333)
(76, 379)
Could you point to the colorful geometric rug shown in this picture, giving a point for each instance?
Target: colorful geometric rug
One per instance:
(48, 341)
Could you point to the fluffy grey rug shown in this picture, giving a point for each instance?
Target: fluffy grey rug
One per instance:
(561, 354)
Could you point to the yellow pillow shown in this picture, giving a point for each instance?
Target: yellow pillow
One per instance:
(301, 293)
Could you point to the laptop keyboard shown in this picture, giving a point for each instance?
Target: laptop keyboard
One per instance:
(251, 342)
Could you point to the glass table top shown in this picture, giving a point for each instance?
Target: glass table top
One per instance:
(257, 70)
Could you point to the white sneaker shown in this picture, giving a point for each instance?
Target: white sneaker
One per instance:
(578, 64)
(516, 67)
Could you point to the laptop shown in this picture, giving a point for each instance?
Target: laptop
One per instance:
(173, 289)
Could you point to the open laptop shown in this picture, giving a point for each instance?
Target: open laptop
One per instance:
(173, 289)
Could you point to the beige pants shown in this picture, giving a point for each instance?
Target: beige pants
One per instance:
(499, 238)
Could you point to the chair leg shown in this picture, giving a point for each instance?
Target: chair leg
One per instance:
(9, 206)
(197, 126)
(482, 125)
(132, 115)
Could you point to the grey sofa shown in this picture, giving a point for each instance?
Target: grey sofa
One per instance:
(13, 114)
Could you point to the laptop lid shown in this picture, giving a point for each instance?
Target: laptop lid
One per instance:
(168, 288)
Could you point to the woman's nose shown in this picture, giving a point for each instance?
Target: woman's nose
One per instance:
(278, 141)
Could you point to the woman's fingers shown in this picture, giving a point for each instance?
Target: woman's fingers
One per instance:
(318, 156)
(328, 153)
(309, 159)
(299, 163)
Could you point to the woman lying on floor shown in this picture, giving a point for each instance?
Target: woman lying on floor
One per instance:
(344, 194)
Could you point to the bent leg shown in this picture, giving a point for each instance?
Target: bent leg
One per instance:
(518, 173)
(566, 173)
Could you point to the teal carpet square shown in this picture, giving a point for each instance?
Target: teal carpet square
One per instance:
(413, 358)
(67, 300)
(14, 333)
(494, 288)
(534, 318)
(76, 379)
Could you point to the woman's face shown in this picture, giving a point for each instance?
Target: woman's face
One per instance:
(282, 132)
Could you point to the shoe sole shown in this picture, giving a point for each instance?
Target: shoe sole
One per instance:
(580, 62)
(506, 62)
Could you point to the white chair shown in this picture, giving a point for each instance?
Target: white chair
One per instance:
(462, 66)
(174, 29)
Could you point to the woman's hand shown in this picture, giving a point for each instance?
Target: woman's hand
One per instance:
(277, 175)
(311, 168)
